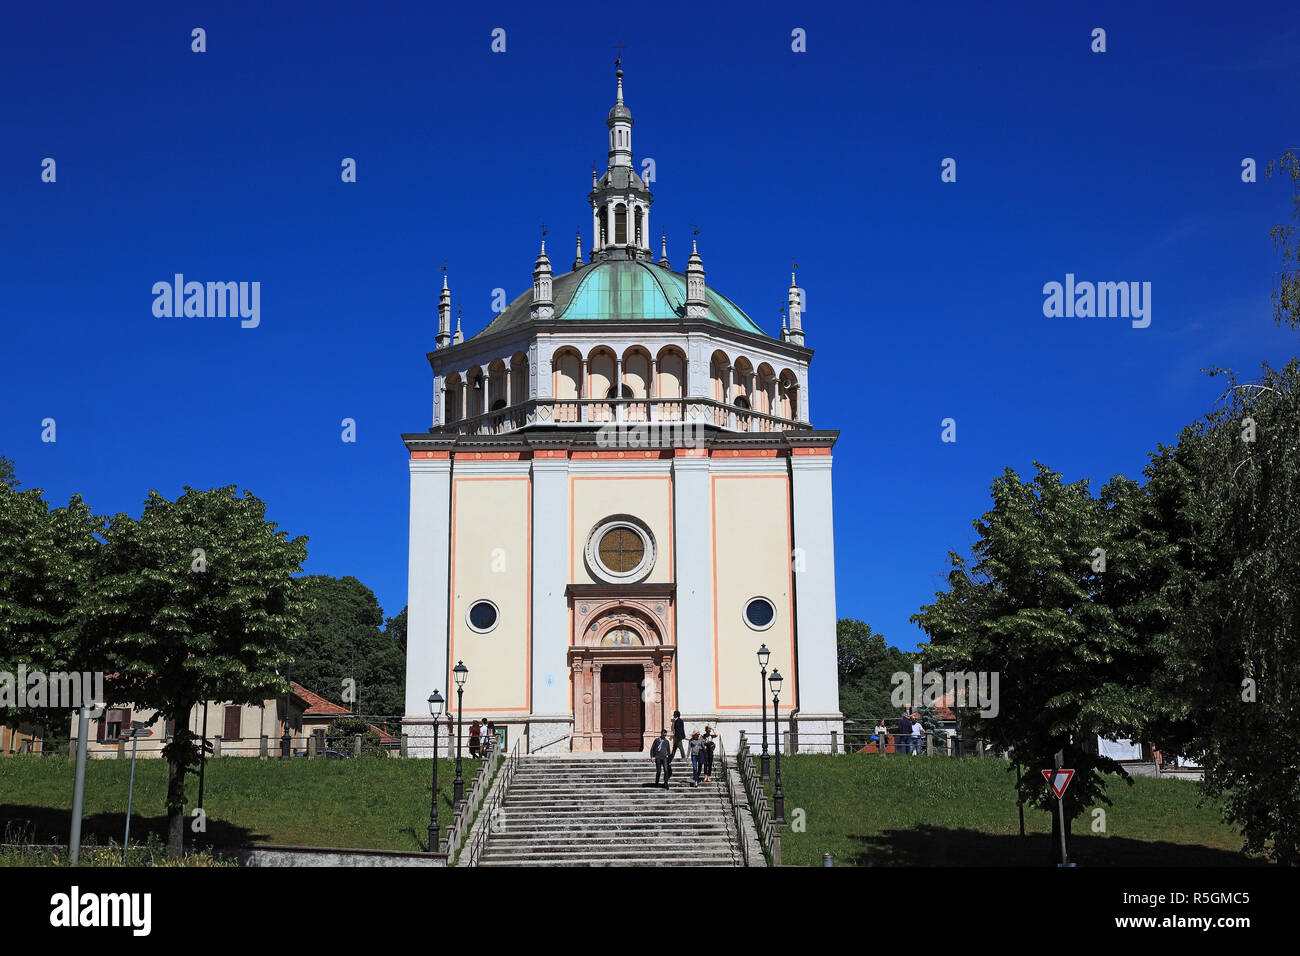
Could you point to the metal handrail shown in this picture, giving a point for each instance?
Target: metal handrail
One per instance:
(730, 790)
(478, 841)
(463, 818)
(767, 833)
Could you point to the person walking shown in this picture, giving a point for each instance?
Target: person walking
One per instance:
(917, 732)
(679, 734)
(697, 758)
(489, 739)
(903, 734)
(661, 754)
(710, 745)
(475, 738)
(879, 737)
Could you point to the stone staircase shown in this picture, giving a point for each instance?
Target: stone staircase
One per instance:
(600, 810)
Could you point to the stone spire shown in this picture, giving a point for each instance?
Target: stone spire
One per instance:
(696, 305)
(443, 338)
(542, 307)
(663, 251)
(458, 337)
(620, 199)
(577, 261)
(795, 335)
(620, 129)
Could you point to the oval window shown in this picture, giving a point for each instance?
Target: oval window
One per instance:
(482, 616)
(760, 613)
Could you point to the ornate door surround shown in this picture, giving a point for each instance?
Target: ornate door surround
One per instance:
(621, 624)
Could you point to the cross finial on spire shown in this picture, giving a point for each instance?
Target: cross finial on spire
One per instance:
(620, 47)
(543, 230)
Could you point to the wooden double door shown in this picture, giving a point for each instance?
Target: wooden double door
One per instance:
(622, 713)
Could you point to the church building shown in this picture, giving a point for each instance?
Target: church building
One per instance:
(622, 499)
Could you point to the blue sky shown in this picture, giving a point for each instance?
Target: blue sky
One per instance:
(924, 298)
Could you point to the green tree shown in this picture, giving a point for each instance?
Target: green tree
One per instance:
(866, 668)
(1232, 644)
(1286, 293)
(395, 627)
(195, 601)
(342, 640)
(44, 568)
(1026, 607)
(342, 731)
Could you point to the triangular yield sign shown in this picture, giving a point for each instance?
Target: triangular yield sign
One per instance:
(1059, 780)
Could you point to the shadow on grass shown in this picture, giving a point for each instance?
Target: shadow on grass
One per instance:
(940, 846)
(48, 825)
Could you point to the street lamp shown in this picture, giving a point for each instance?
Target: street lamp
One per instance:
(460, 672)
(778, 798)
(764, 761)
(435, 710)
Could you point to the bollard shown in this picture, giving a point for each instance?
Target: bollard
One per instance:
(835, 742)
(216, 746)
(403, 750)
(356, 745)
(121, 747)
(828, 859)
(979, 748)
(929, 745)
(263, 748)
(311, 747)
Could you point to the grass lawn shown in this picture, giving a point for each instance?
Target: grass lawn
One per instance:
(373, 802)
(919, 811)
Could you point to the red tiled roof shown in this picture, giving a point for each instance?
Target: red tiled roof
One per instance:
(384, 737)
(316, 704)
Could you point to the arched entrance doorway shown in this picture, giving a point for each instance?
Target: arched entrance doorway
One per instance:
(621, 667)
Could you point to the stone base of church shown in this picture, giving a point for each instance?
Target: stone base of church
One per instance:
(812, 733)
(419, 737)
(549, 733)
(554, 733)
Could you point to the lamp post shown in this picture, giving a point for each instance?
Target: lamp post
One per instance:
(764, 761)
(435, 710)
(778, 798)
(460, 672)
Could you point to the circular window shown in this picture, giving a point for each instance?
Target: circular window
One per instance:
(760, 613)
(620, 550)
(482, 616)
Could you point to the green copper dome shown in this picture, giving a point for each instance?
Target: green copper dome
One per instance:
(623, 291)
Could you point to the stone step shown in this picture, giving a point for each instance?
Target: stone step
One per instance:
(626, 854)
(664, 803)
(598, 861)
(595, 811)
(623, 787)
(684, 842)
(640, 773)
(605, 821)
(580, 830)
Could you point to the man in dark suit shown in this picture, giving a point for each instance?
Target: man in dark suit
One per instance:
(679, 734)
(903, 735)
(661, 754)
